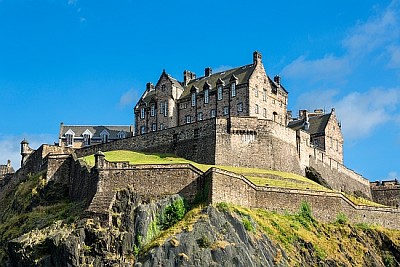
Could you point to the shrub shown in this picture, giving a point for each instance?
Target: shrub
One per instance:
(305, 211)
(248, 225)
(204, 242)
(173, 214)
(388, 259)
(223, 207)
(341, 218)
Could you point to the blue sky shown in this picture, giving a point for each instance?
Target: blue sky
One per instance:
(87, 62)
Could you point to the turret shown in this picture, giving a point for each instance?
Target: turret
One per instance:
(25, 151)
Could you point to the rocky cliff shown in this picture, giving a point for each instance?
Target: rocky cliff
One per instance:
(165, 232)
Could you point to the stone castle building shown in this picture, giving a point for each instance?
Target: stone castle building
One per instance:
(245, 91)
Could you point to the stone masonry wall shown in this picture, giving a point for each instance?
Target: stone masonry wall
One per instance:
(193, 141)
(258, 144)
(338, 176)
(233, 188)
(387, 193)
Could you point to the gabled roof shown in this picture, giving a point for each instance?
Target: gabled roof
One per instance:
(79, 130)
(317, 124)
(241, 73)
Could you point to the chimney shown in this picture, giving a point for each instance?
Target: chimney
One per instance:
(303, 113)
(8, 164)
(319, 111)
(149, 86)
(187, 76)
(207, 72)
(256, 58)
(277, 80)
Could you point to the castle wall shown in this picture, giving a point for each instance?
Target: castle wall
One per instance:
(233, 188)
(192, 141)
(338, 176)
(258, 144)
(386, 193)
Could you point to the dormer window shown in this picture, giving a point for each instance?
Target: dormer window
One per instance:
(104, 136)
(87, 136)
(69, 138)
(121, 135)
(206, 96)
(219, 92)
(233, 89)
(142, 113)
(163, 87)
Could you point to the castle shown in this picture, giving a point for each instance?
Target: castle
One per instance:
(237, 117)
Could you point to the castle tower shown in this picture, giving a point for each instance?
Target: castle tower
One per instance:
(25, 151)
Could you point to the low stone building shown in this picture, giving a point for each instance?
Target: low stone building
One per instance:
(78, 136)
(6, 169)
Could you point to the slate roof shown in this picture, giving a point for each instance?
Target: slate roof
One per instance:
(96, 130)
(317, 124)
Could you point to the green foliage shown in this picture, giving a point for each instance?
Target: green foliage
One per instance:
(203, 242)
(341, 218)
(223, 207)
(248, 225)
(320, 252)
(363, 226)
(305, 211)
(388, 259)
(173, 214)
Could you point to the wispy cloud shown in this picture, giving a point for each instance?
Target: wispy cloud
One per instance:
(72, 2)
(129, 98)
(10, 146)
(359, 112)
(222, 68)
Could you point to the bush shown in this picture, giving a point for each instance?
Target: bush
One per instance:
(173, 214)
(341, 218)
(248, 225)
(305, 211)
(223, 207)
(388, 259)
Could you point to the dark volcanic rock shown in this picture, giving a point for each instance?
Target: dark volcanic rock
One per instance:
(315, 176)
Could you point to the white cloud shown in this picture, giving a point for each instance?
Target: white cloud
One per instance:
(10, 146)
(72, 2)
(129, 98)
(392, 175)
(359, 112)
(328, 67)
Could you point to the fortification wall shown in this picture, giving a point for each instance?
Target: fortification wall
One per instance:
(232, 188)
(256, 143)
(338, 176)
(386, 193)
(194, 141)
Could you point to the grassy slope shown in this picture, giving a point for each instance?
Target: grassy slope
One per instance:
(260, 177)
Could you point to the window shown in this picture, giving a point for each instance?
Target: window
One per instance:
(163, 87)
(206, 96)
(256, 91)
(226, 110)
(265, 112)
(143, 129)
(161, 126)
(154, 127)
(70, 139)
(233, 89)
(188, 119)
(161, 107)
(104, 138)
(153, 110)
(256, 109)
(121, 135)
(264, 95)
(165, 108)
(142, 113)
(240, 107)
(200, 116)
(86, 139)
(213, 113)
(193, 99)
(219, 93)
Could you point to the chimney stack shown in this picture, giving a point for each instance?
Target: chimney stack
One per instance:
(277, 80)
(149, 86)
(257, 57)
(207, 72)
(187, 76)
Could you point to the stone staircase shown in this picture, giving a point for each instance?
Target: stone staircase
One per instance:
(101, 202)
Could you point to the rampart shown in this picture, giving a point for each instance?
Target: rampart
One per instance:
(386, 192)
(233, 188)
(338, 176)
